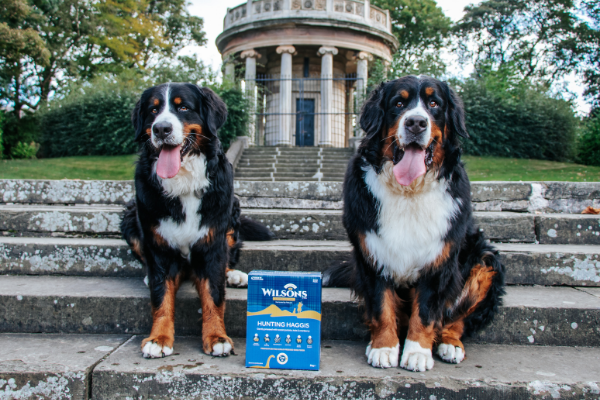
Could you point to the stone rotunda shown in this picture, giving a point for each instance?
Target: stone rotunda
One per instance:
(304, 65)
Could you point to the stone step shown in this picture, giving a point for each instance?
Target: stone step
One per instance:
(527, 264)
(529, 315)
(111, 367)
(488, 372)
(551, 197)
(50, 366)
(86, 220)
(305, 149)
(290, 180)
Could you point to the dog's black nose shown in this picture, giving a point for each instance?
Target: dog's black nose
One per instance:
(162, 129)
(415, 124)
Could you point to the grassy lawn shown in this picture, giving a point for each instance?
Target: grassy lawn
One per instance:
(85, 167)
(121, 167)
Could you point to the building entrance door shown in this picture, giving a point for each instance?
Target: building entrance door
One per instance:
(305, 122)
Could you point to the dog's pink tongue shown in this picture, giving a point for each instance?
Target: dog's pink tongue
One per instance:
(169, 162)
(411, 166)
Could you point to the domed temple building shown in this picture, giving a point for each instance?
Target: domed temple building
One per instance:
(304, 65)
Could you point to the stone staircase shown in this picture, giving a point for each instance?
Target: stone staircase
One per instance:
(75, 308)
(278, 164)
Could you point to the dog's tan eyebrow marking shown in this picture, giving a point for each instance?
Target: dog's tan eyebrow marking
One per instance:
(156, 102)
(429, 91)
(404, 94)
(177, 100)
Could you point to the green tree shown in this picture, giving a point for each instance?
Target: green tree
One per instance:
(589, 38)
(589, 141)
(422, 30)
(537, 37)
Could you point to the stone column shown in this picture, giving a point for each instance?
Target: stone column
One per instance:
(250, 78)
(362, 73)
(326, 54)
(229, 71)
(284, 136)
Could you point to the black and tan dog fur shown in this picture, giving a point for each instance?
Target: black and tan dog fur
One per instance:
(422, 267)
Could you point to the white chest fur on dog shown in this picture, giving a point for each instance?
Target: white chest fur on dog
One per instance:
(186, 185)
(412, 224)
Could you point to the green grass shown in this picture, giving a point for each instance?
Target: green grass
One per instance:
(121, 167)
(84, 167)
(518, 169)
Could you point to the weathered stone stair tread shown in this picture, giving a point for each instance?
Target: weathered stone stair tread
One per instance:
(52, 365)
(489, 371)
(49, 366)
(540, 315)
(526, 263)
(302, 223)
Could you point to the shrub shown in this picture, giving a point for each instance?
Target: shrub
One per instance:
(519, 120)
(95, 120)
(1, 140)
(24, 130)
(24, 150)
(237, 114)
(589, 141)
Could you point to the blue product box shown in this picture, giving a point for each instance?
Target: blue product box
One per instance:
(284, 320)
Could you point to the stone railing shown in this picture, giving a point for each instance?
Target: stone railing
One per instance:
(350, 10)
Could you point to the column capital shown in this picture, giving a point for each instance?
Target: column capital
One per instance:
(286, 49)
(327, 50)
(363, 55)
(250, 54)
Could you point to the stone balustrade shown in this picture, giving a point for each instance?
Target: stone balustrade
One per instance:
(356, 11)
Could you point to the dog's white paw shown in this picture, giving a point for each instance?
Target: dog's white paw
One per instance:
(383, 357)
(415, 358)
(450, 353)
(237, 278)
(154, 350)
(221, 349)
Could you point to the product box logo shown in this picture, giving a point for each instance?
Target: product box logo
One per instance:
(289, 291)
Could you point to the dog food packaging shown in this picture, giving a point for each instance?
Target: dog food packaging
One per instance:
(283, 320)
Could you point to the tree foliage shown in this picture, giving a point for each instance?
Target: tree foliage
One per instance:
(539, 38)
(422, 30)
(79, 39)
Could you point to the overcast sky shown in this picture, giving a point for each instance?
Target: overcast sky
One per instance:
(213, 12)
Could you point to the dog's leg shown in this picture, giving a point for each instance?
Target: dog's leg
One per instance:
(384, 347)
(476, 288)
(162, 336)
(416, 354)
(214, 339)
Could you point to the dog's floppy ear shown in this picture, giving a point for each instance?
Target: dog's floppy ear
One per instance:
(455, 113)
(212, 109)
(372, 113)
(138, 117)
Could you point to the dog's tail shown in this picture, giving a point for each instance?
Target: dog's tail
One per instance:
(340, 274)
(131, 230)
(254, 231)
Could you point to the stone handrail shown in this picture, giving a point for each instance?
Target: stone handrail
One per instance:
(358, 11)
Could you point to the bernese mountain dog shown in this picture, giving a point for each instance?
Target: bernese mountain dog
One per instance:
(185, 222)
(420, 264)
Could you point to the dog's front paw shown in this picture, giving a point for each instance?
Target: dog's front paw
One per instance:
(237, 278)
(218, 346)
(416, 358)
(383, 357)
(156, 348)
(451, 353)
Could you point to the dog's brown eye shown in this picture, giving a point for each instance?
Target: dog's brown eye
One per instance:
(154, 111)
(400, 104)
(433, 104)
(183, 108)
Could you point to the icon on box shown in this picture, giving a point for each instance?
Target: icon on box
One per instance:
(288, 339)
(256, 339)
(267, 338)
(299, 339)
(309, 340)
(277, 339)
